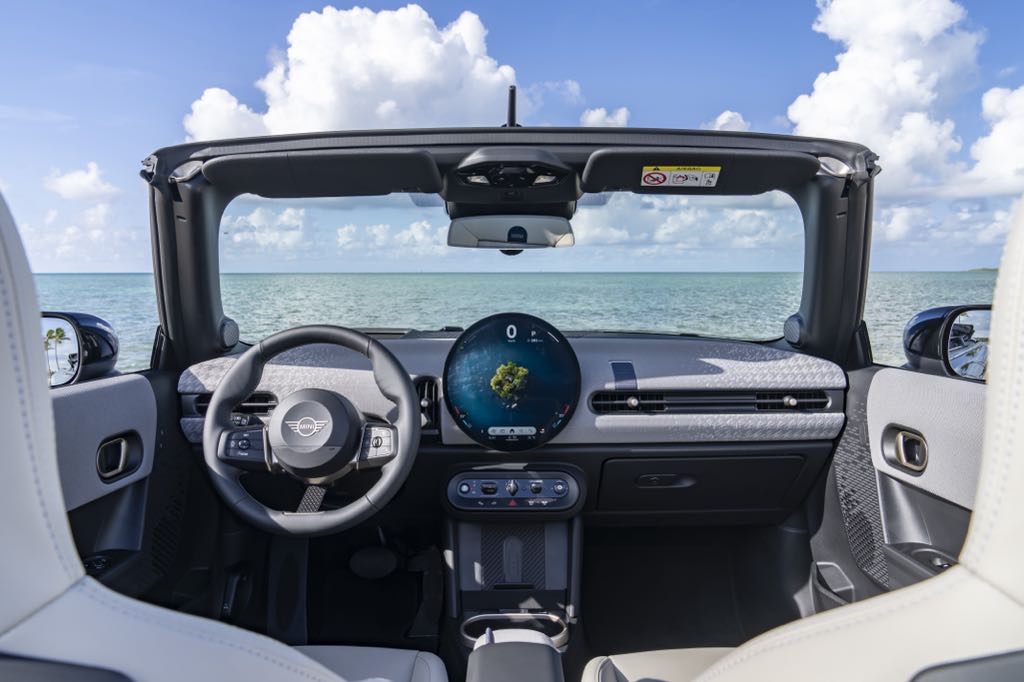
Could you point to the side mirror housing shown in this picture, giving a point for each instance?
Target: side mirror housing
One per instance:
(78, 347)
(949, 341)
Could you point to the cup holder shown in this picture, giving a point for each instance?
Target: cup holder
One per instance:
(546, 623)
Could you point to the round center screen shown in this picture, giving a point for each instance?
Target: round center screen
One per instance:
(511, 382)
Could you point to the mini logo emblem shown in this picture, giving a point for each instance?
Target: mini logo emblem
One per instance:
(307, 426)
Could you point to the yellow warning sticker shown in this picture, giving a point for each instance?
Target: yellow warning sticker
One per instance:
(680, 176)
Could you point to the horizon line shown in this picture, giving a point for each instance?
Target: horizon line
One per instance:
(514, 272)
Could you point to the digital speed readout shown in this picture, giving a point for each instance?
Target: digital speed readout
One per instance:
(511, 382)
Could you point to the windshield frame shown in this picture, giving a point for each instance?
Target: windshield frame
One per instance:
(186, 208)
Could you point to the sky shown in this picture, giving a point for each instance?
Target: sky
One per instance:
(935, 87)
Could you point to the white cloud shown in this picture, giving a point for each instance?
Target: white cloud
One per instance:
(899, 222)
(682, 227)
(267, 229)
(356, 68)
(999, 155)
(602, 118)
(568, 91)
(96, 216)
(591, 227)
(345, 236)
(70, 248)
(51, 216)
(80, 184)
(379, 235)
(749, 228)
(218, 114)
(901, 61)
(422, 238)
(728, 120)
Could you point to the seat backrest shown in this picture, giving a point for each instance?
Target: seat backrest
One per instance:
(994, 549)
(38, 560)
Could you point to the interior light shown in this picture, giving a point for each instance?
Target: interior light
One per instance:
(478, 180)
(544, 179)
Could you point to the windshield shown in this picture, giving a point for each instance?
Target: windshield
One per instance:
(713, 266)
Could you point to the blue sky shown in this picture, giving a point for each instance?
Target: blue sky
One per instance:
(935, 87)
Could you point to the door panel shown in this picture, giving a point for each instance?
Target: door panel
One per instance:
(94, 413)
(129, 527)
(884, 525)
(948, 412)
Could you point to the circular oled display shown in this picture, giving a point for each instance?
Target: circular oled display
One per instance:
(511, 382)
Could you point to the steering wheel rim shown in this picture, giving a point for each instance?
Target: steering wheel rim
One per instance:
(242, 379)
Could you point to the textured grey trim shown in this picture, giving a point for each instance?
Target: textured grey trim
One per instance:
(88, 414)
(660, 364)
(949, 413)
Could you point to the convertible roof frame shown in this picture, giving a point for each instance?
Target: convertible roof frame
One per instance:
(192, 184)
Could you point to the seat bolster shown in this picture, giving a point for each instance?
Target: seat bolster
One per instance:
(666, 665)
(363, 664)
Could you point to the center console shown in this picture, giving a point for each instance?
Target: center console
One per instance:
(513, 557)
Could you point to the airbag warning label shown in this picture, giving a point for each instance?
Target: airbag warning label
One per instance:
(680, 176)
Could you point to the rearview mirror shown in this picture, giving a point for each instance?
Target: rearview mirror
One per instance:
(510, 233)
(966, 336)
(62, 346)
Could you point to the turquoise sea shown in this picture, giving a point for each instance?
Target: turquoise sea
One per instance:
(741, 305)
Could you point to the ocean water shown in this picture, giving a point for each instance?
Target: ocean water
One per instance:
(739, 305)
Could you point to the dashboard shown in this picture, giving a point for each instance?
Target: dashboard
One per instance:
(513, 382)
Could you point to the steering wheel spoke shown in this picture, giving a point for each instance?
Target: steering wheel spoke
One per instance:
(378, 446)
(312, 498)
(245, 447)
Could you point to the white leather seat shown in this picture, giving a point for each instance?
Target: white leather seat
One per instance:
(50, 610)
(971, 611)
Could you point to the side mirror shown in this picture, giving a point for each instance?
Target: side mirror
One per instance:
(63, 348)
(78, 347)
(949, 341)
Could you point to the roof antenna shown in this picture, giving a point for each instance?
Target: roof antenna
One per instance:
(511, 109)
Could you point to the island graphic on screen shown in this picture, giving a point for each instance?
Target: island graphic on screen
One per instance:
(508, 380)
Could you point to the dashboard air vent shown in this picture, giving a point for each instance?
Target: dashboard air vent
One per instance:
(260, 404)
(706, 402)
(426, 391)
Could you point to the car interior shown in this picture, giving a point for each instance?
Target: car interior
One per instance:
(512, 501)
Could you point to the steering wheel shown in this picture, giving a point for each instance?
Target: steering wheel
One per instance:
(314, 435)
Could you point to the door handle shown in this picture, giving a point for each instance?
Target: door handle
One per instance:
(911, 451)
(112, 458)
